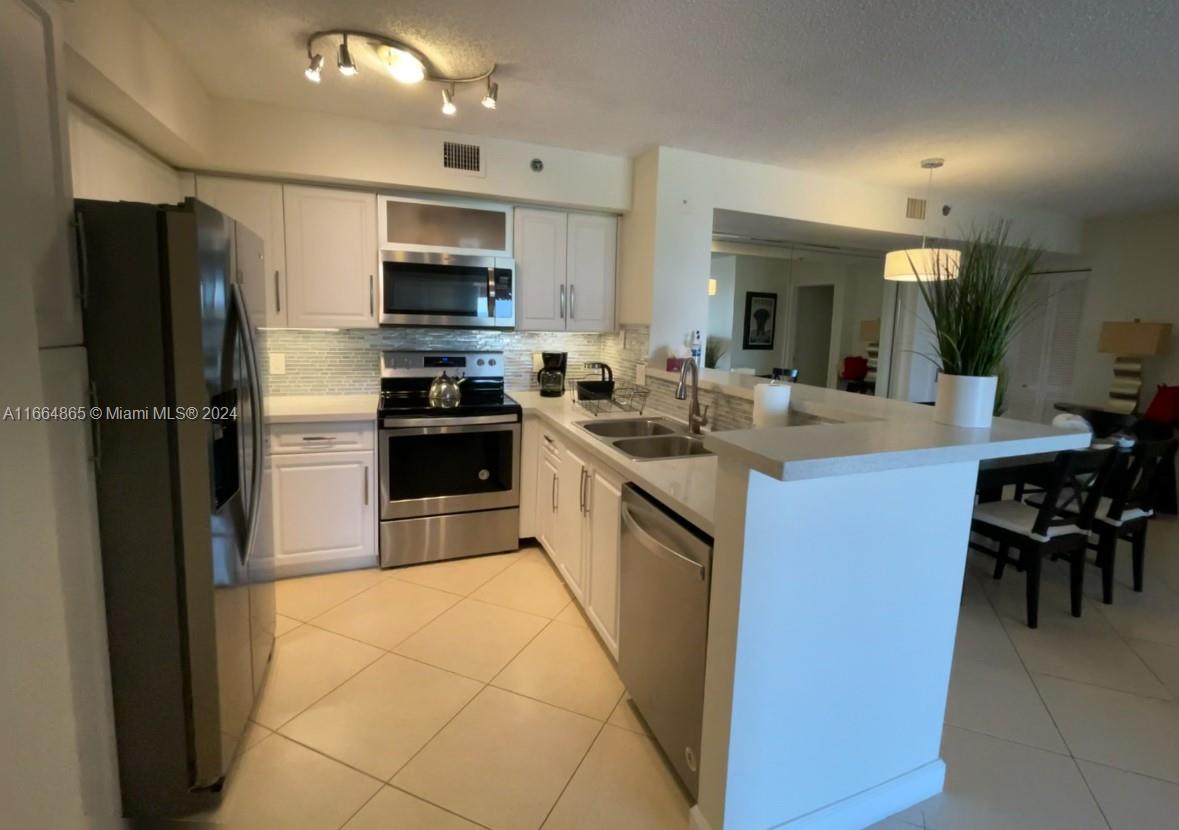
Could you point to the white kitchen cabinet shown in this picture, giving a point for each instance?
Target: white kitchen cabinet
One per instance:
(602, 541)
(565, 270)
(548, 480)
(591, 253)
(324, 511)
(569, 552)
(258, 206)
(331, 258)
(540, 242)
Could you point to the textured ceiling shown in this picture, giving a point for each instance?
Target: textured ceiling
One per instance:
(1069, 105)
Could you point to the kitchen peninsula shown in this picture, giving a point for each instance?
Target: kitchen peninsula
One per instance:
(837, 575)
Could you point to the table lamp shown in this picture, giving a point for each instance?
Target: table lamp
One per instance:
(1130, 342)
(870, 336)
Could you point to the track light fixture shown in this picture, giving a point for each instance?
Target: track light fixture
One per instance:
(405, 64)
(314, 67)
(492, 93)
(344, 60)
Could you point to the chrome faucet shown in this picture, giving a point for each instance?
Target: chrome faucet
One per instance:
(696, 419)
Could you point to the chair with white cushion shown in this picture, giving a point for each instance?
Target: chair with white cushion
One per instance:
(1125, 513)
(1058, 528)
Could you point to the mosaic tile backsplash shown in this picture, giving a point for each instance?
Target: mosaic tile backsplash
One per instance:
(348, 362)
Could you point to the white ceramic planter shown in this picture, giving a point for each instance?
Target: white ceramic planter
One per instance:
(965, 400)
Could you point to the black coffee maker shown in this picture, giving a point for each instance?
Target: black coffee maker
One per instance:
(551, 376)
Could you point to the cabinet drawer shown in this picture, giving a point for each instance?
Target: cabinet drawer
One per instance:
(550, 445)
(323, 437)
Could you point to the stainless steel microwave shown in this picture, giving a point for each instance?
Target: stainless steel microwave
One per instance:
(431, 289)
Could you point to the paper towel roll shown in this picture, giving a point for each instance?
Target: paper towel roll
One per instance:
(771, 405)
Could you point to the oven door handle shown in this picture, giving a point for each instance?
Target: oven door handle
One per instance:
(474, 420)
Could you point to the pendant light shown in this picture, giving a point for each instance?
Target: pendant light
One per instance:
(913, 264)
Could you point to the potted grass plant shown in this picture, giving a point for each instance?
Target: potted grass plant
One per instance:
(975, 314)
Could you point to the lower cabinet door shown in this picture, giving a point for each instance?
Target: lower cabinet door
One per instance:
(571, 494)
(324, 512)
(547, 481)
(605, 526)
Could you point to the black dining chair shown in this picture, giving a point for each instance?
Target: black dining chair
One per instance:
(1126, 509)
(1058, 528)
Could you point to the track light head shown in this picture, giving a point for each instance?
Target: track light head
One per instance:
(314, 66)
(492, 93)
(448, 107)
(344, 60)
(404, 66)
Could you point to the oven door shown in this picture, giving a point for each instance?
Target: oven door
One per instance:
(445, 290)
(434, 466)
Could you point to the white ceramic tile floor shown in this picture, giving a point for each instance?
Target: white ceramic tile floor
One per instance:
(1078, 728)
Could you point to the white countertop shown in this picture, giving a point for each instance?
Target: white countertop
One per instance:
(878, 434)
(686, 485)
(293, 409)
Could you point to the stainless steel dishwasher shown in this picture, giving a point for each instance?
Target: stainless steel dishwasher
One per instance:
(663, 632)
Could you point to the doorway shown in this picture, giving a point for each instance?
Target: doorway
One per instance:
(814, 306)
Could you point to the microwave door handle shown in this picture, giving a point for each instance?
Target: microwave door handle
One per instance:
(491, 293)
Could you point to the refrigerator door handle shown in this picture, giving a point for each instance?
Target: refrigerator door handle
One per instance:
(83, 260)
(257, 420)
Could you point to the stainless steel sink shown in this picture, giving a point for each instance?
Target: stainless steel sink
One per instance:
(631, 427)
(661, 446)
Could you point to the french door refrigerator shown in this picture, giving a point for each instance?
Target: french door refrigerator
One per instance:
(178, 454)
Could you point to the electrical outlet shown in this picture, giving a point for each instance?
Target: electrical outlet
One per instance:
(278, 363)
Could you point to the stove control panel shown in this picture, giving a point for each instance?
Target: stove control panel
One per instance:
(432, 364)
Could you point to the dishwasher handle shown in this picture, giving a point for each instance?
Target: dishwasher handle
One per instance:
(658, 548)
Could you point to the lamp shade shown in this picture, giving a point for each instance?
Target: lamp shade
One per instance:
(1134, 338)
(924, 263)
(870, 331)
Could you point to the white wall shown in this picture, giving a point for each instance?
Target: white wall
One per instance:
(636, 242)
(120, 67)
(863, 296)
(720, 305)
(689, 186)
(767, 275)
(263, 140)
(1135, 262)
(108, 165)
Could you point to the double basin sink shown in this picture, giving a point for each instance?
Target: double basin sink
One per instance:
(647, 439)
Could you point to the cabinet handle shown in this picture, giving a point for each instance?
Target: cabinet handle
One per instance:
(83, 260)
(562, 302)
(581, 491)
(371, 295)
(317, 438)
(95, 431)
(572, 296)
(553, 494)
(366, 485)
(277, 292)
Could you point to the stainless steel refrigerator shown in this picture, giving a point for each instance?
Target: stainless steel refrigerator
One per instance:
(179, 457)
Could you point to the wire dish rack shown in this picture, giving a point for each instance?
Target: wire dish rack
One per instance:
(627, 397)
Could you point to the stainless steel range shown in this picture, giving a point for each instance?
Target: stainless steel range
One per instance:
(449, 464)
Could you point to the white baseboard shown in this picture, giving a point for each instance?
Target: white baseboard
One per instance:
(870, 806)
(863, 809)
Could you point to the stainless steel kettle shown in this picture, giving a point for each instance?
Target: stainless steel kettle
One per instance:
(445, 392)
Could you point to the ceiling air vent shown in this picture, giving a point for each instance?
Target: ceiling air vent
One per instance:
(465, 157)
(915, 209)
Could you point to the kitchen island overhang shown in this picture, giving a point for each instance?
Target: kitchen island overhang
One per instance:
(837, 575)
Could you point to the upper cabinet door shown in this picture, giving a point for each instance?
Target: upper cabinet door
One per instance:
(38, 198)
(593, 245)
(258, 206)
(540, 269)
(331, 238)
